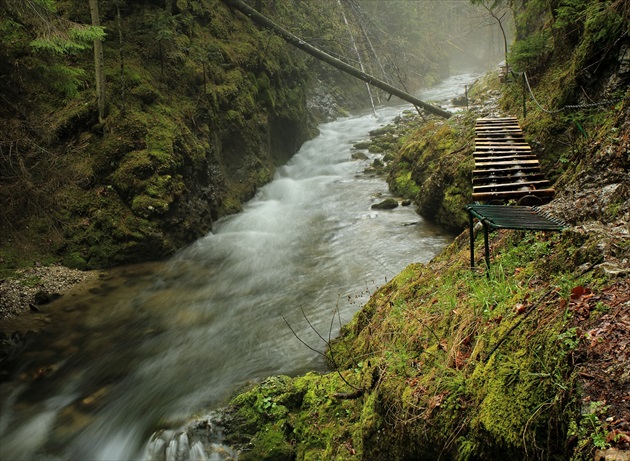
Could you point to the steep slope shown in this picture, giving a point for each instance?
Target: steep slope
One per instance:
(202, 106)
(528, 362)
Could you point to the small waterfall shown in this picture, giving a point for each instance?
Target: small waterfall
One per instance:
(199, 440)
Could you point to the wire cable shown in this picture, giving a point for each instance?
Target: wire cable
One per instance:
(568, 106)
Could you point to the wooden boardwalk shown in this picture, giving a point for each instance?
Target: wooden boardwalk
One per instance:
(505, 168)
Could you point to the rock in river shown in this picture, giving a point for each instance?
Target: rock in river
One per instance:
(387, 204)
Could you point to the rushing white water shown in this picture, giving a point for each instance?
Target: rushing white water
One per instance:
(153, 344)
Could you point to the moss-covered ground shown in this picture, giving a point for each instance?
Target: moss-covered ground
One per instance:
(451, 362)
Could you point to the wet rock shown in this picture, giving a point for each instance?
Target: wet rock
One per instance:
(460, 101)
(389, 129)
(612, 454)
(44, 297)
(359, 156)
(387, 204)
(378, 163)
(406, 202)
(362, 144)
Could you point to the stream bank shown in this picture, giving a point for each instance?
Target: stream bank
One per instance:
(445, 362)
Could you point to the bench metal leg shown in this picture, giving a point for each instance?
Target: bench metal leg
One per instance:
(472, 241)
(487, 247)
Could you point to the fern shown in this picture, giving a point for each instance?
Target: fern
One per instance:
(66, 80)
(531, 51)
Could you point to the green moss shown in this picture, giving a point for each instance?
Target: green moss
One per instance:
(449, 363)
(432, 167)
(146, 206)
(403, 185)
(74, 260)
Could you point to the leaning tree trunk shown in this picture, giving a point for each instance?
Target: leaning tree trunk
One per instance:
(319, 54)
(98, 64)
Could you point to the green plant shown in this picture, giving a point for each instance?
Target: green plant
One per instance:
(570, 338)
(529, 53)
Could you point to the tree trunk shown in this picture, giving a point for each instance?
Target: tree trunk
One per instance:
(98, 64)
(319, 54)
(356, 50)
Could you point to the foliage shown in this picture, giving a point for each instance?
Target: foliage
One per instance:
(530, 53)
(78, 38)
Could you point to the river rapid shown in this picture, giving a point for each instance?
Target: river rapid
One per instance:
(149, 346)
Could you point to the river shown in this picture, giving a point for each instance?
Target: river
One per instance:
(151, 345)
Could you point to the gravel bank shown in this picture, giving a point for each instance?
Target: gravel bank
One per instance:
(38, 285)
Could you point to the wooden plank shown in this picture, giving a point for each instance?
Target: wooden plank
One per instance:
(513, 194)
(494, 155)
(497, 127)
(499, 148)
(501, 158)
(485, 180)
(507, 128)
(500, 137)
(521, 162)
(499, 132)
(511, 173)
(516, 154)
(508, 171)
(490, 155)
(497, 120)
(524, 169)
(511, 145)
(529, 185)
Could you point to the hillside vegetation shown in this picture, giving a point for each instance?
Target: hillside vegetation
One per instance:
(527, 360)
(193, 106)
(199, 106)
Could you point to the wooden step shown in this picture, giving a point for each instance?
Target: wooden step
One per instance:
(512, 194)
(506, 171)
(502, 157)
(500, 143)
(497, 129)
(499, 148)
(512, 146)
(517, 186)
(497, 120)
(496, 164)
(488, 180)
(501, 173)
(511, 173)
(499, 134)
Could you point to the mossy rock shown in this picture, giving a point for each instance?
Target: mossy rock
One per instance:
(387, 204)
(359, 156)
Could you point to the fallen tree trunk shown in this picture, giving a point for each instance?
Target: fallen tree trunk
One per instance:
(319, 54)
